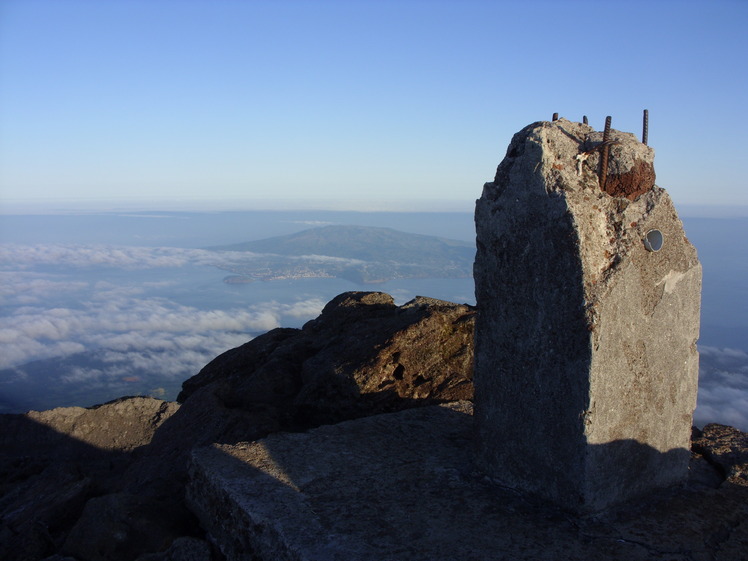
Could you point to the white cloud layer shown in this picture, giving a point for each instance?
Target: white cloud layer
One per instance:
(723, 387)
(22, 256)
(59, 313)
(126, 323)
(55, 303)
(92, 255)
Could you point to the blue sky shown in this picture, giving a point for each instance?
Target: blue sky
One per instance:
(351, 103)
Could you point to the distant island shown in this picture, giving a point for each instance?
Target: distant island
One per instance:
(361, 254)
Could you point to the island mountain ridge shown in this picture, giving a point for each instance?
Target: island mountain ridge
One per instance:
(361, 254)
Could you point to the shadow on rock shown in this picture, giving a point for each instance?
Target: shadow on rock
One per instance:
(58, 468)
(403, 486)
(108, 482)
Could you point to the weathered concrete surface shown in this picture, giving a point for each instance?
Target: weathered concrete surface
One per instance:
(402, 486)
(585, 340)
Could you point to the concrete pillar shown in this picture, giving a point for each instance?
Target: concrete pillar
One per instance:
(586, 366)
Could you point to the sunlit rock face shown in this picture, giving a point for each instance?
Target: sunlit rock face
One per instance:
(362, 355)
(588, 297)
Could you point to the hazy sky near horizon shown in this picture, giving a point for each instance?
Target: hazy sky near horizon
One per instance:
(191, 101)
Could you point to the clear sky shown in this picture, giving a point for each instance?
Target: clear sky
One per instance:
(349, 101)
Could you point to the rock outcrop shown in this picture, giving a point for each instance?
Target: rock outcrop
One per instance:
(54, 463)
(725, 448)
(118, 426)
(88, 482)
(362, 355)
(69, 492)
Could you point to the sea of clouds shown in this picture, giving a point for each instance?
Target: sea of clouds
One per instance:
(127, 319)
(723, 387)
(128, 305)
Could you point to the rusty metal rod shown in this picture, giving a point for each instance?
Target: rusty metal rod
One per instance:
(604, 153)
(645, 127)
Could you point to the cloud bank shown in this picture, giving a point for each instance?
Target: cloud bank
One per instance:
(123, 320)
(723, 387)
(121, 257)
(106, 320)
(55, 303)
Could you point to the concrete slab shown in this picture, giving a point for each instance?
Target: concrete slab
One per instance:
(585, 339)
(402, 486)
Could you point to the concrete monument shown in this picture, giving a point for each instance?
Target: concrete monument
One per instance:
(588, 297)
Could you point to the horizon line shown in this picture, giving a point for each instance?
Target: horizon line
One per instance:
(103, 205)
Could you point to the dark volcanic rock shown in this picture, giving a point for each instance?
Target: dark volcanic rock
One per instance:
(37, 513)
(123, 526)
(90, 479)
(726, 448)
(108, 482)
(53, 462)
(182, 549)
(362, 355)
(119, 426)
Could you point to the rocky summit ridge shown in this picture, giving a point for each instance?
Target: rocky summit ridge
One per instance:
(108, 482)
(355, 437)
